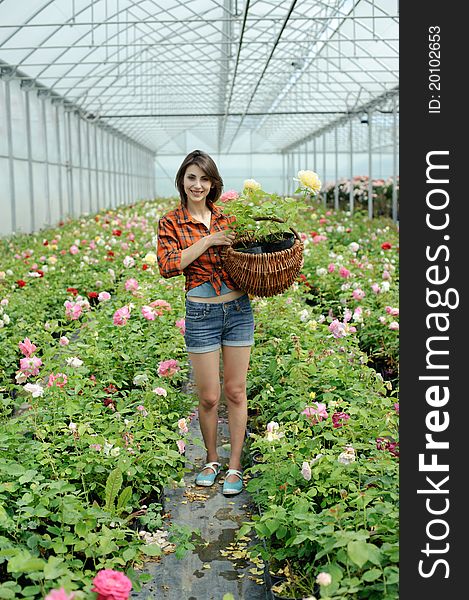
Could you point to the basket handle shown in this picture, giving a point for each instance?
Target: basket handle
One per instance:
(278, 220)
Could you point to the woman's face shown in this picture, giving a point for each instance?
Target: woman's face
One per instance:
(196, 185)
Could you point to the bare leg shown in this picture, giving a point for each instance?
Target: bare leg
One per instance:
(235, 368)
(206, 369)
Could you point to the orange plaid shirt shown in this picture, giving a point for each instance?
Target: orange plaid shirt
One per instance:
(177, 230)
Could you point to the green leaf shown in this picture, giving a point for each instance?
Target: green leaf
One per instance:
(151, 550)
(124, 499)
(243, 530)
(54, 568)
(129, 554)
(28, 476)
(81, 529)
(31, 591)
(113, 485)
(360, 552)
(12, 468)
(23, 562)
(372, 575)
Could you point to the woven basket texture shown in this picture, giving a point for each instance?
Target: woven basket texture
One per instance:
(264, 274)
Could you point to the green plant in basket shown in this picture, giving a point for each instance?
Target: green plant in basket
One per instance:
(263, 216)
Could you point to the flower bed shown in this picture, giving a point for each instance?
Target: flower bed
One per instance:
(382, 194)
(326, 424)
(92, 353)
(94, 411)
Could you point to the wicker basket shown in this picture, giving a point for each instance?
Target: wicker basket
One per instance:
(266, 274)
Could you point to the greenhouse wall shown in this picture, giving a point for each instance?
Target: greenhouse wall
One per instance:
(56, 164)
(270, 171)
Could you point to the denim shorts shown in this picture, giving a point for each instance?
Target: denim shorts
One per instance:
(209, 326)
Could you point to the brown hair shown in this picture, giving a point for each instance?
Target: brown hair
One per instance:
(208, 166)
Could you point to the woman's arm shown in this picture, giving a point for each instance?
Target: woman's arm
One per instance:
(219, 238)
(172, 260)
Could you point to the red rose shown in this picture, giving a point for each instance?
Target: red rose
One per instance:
(72, 291)
(20, 283)
(92, 294)
(144, 267)
(386, 246)
(117, 232)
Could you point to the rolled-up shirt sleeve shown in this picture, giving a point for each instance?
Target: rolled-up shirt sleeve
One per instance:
(169, 249)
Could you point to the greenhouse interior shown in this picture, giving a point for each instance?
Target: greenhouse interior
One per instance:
(170, 172)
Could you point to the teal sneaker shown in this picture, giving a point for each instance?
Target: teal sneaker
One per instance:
(208, 479)
(230, 488)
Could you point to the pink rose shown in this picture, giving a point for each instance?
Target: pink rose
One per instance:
(181, 325)
(73, 310)
(74, 249)
(358, 294)
(149, 313)
(181, 446)
(131, 284)
(337, 329)
(104, 296)
(316, 413)
(229, 195)
(27, 347)
(167, 368)
(345, 273)
(121, 316)
(160, 306)
(30, 365)
(64, 341)
(111, 585)
(56, 380)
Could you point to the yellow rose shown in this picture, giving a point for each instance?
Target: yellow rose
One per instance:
(52, 247)
(52, 260)
(150, 258)
(310, 180)
(251, 184)
(312, 395)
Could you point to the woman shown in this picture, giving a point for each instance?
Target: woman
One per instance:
(218, 314)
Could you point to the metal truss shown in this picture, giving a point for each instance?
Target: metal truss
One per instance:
(228, 75)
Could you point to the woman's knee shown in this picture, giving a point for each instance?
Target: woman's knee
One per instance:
(235, 392)
(209, 399)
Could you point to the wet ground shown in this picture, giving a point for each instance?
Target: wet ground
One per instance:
(218, 564)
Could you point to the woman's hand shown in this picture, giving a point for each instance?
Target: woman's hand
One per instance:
(222, 238)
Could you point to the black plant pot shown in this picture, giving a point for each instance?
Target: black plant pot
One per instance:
(287, 241)
(266, 246)
(250, 248)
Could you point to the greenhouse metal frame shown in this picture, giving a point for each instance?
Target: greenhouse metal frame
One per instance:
(95, 96)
